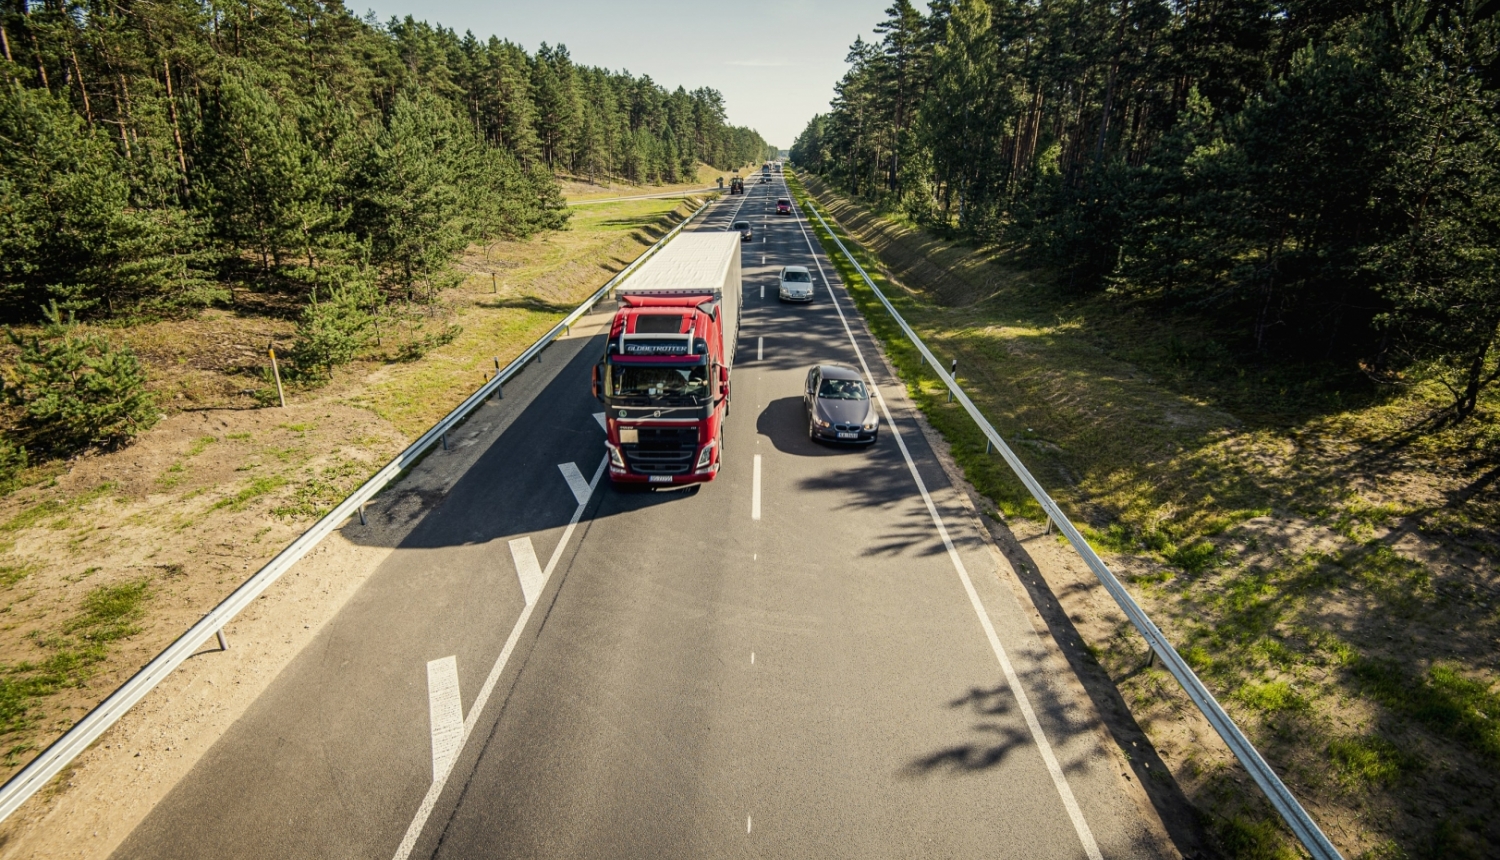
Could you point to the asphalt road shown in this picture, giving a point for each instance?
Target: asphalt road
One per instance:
(815, 655)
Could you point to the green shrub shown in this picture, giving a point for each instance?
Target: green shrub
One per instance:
(77, 390)
(334, 329)
(13, 459)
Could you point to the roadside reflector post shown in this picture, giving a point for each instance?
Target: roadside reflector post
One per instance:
(223, 643)
(494, 283)
(276, 372)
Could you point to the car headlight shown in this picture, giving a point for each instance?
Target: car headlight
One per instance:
(819, 421)
(870, 425)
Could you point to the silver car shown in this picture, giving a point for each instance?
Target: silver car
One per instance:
(795, 284)
(838, 406)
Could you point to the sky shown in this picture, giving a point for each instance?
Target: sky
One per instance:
(775, 61)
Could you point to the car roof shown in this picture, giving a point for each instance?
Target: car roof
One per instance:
(793, 268)
(834, 371)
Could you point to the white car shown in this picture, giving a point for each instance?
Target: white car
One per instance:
(796, 284)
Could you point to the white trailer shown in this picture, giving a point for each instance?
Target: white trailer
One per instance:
(696, 264)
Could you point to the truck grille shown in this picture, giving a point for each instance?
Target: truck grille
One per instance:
(662, 450)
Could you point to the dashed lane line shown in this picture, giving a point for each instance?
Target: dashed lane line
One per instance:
(755, 492)
(527, 568)
(445, 710)
(576, 482)
(429, 801)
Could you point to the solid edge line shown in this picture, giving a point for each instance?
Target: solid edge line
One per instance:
(429, 802)
(1059, 780)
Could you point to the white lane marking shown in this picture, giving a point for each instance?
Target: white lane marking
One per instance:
(576, 482)
(445, 709)
(599, 416)
(755, 492)
(762, 290)
(527, 568)
(1059, 780)
(434, 791)
(760, 344)
(762, 259)
(747, 824)
(752, 658)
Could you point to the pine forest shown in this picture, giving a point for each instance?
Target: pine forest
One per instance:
(1318, 181)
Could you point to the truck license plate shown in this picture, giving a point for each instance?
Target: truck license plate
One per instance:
(843, 435)
(661, 479)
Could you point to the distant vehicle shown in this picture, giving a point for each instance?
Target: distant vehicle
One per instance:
(796, 284)
(736, 186)
(764, 178)
(765, 169)
(746, 234)
(783, 206)
(838, 406)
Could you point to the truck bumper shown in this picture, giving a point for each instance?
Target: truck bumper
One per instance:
(618, 475)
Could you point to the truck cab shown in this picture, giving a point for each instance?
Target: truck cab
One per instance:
(666, 390)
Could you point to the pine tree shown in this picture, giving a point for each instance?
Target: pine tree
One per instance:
(77, 390)
(336, 325)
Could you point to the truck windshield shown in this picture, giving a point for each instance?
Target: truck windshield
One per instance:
(657, 380)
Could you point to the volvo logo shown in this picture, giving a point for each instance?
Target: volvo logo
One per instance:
(656, 414)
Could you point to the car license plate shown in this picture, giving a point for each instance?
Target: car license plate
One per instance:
(661, 479)
(843, 435)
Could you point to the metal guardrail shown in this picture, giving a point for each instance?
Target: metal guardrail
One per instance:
(77, 739)
(1291, 811)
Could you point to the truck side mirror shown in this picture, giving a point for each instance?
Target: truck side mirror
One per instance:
(723, 375)
(598, 395)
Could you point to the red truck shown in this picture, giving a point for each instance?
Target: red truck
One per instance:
(664, 377)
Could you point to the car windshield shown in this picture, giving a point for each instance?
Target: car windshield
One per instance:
(742, 225)
(656, 380)
(783, 202)
(842, 389)
(801, 277)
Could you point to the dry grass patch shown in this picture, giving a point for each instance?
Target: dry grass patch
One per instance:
(105, 559)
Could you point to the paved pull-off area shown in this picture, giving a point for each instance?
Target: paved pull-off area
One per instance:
(816, 655)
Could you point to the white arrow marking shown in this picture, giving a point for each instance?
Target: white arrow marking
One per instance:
(527, 568)
(576, 482)
(446, 710)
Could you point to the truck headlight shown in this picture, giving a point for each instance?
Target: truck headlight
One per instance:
(614, 456)
(706, 455)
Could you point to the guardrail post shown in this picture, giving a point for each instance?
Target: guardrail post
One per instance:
(987, 444)
(953, 372)
(362, 516)
(223, 643)
(445, 441)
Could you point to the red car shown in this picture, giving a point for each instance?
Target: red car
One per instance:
(783, 206)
